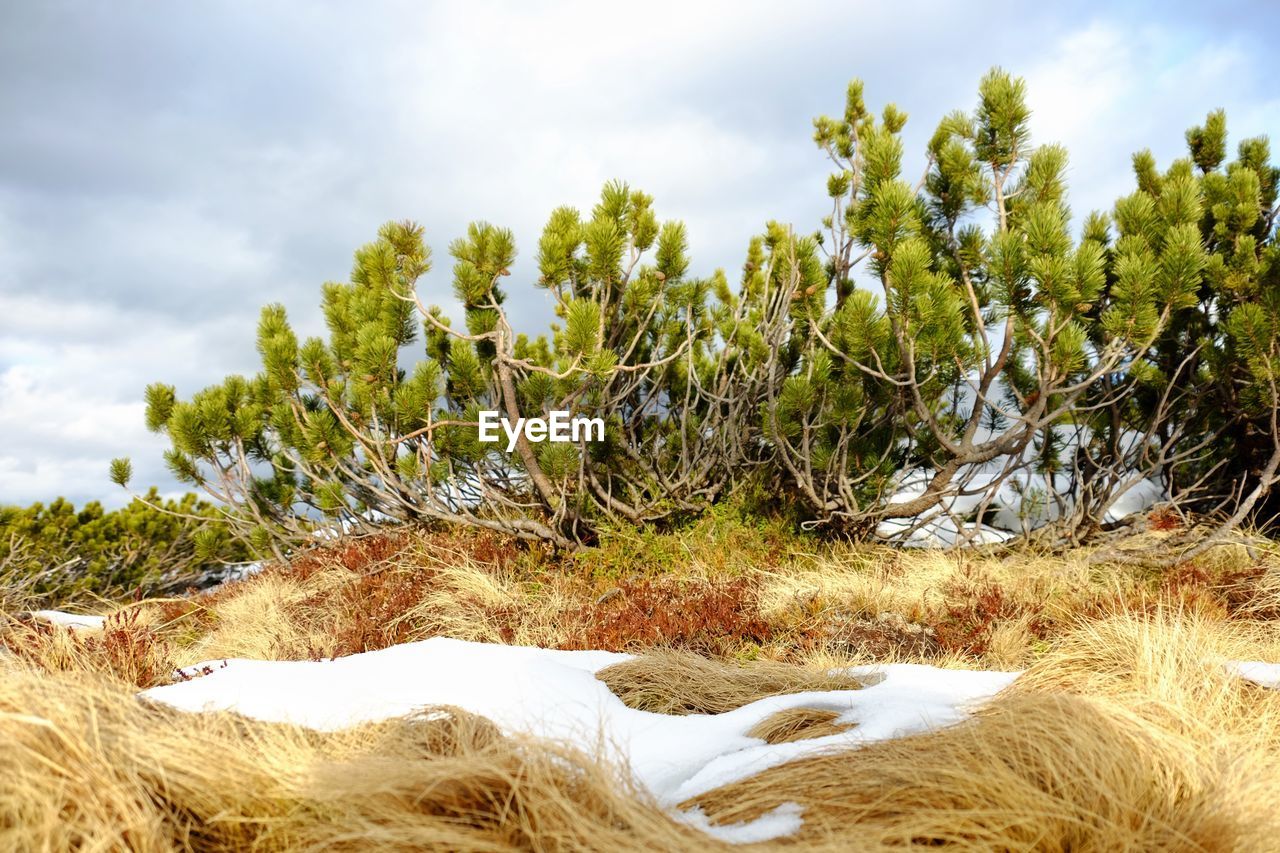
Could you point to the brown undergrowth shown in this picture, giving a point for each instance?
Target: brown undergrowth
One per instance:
(1126, 731)
(87, 766)
(836, 604)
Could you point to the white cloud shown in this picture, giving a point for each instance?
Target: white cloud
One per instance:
(58, 436)
(1107, 91)
(166, 173)
(71, 380)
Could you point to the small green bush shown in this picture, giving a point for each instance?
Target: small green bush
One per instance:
(52, 553)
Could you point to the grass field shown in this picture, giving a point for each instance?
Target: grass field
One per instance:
(1126, 730)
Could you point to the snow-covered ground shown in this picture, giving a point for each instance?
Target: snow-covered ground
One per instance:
(1265, 674)
(68, 620)
(239, 572)
(555, 694)
(1015, 497)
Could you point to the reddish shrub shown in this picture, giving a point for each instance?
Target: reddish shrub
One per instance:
(1164, 519)
(1189, 584)
(710, 618)
(1234, 591)
(373, 607)
(966, 626)
(123, 648)
(173, 609)
(1241, 594)
(355, 554)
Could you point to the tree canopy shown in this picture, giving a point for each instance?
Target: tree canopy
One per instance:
(946, 339)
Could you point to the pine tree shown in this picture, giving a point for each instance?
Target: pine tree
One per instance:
(54, 554)
(338, 429)
(1210, 387)
(1009, 322)
(951, 326)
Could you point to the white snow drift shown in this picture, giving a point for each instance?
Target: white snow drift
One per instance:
(555, 694)
(1264, 674)
(69, 620)
(1016, 498)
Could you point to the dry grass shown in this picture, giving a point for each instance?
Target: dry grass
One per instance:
(87, 766)
(1126, 732)
(126, 649)
(1125, 738)
(795, 724)
(1034, 772)
(671, 682)
(839, 606)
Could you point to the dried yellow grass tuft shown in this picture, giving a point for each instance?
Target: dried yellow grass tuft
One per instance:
(1128, 737)
(673, 682)
(793, 724)
(87, 766)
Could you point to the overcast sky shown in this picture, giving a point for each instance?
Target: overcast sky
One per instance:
(167, 168)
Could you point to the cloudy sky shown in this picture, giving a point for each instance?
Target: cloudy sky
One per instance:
(167, 168)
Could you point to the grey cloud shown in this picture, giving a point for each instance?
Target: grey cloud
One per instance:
(167, 169)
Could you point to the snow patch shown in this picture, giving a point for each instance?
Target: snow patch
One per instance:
(784, 820)
(555, 694)
(68, 620)
(1264, 674)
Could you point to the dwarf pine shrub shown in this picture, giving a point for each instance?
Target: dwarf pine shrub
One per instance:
(53, 553)
(944, 338)
(337, 428)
